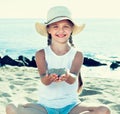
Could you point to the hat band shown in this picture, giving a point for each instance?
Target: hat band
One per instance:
(55, 18)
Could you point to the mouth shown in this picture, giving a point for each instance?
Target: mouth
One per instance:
(61, 35)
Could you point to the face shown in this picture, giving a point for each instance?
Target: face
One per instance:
(60, 31)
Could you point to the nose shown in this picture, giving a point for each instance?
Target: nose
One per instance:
(61, 29)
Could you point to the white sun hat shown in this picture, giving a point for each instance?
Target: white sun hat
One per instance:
(56, 14)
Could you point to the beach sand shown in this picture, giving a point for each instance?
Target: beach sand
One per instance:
(19, 85)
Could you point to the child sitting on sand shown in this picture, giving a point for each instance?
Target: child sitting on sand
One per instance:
(59, 65)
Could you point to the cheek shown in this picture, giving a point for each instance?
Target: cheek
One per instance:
(51, 32)
(69, 32)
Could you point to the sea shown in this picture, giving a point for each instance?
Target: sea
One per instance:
(100, 40)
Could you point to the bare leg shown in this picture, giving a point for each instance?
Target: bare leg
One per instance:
(79, 109)
(25, 109)
(11, 109)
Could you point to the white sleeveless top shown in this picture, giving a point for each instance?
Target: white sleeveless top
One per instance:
(58, 94)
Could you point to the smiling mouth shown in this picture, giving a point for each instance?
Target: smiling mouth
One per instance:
(61, 35)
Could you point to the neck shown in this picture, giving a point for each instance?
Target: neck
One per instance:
(60, 49)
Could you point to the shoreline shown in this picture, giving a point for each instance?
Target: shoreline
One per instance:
(24, 61)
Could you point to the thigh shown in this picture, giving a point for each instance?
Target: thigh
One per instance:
(82, 108)
(31, 109)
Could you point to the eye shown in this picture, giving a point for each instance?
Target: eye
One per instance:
(54, 26)
(67, 27)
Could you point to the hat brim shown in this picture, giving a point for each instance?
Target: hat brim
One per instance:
(41, 28)
(78, 28)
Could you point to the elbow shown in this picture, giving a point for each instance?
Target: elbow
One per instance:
(70, 82)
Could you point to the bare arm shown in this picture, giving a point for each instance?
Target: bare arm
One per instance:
(70, 77)
(75, 69)
(42, 67)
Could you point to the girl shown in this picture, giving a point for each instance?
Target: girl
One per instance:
(59, 67)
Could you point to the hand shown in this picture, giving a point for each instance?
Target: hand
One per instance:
(63, 77)
(49, 78)
(53, 77)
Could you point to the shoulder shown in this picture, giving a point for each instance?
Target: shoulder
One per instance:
(79, 56)
(40, 53)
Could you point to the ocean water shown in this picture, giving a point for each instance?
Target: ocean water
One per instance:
(100, 37)
(99, 40)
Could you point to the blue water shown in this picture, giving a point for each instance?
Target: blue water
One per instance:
(100, 38)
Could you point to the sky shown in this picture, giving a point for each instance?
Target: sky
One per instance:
(79, 8)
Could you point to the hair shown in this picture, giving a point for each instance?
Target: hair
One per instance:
(71, 41)
(49, 40)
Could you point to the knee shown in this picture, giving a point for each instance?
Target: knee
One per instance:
(11, 109)
(104, 110)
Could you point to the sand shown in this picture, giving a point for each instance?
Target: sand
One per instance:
(19, 85)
